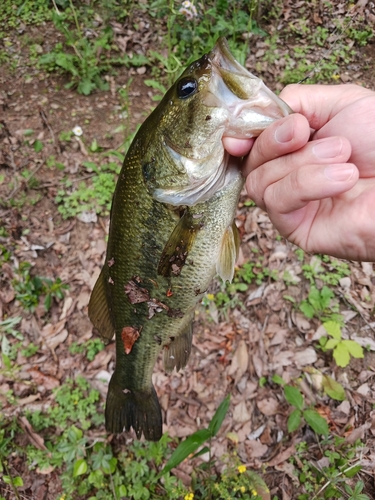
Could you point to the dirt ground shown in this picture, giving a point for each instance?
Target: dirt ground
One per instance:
(232, 351)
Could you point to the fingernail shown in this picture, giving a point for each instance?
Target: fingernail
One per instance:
(342, 172)
(328, 149)
(284, 133)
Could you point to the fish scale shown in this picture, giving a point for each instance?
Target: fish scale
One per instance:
(171, 228)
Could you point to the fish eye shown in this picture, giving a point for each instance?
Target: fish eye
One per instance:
(187, 87)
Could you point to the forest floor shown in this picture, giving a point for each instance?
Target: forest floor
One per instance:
(246, 338)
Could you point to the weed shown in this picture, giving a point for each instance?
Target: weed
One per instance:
(294, 397)
(96, 196)
(29, 288)
(321, 304)
(331, 479)
(90, 348)
(341, 349)
(83, 58)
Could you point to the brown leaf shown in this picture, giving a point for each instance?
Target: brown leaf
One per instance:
(241, 413)
(34, 438)
(268, 406)
(129, 335)
(135, 292)
(240, 361)
(282, 457)
(256, 449)
(46, 381)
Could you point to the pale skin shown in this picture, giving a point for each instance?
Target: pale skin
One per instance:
(314, 171)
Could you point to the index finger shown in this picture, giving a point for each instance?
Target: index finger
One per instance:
(284, 136)
(319, 103)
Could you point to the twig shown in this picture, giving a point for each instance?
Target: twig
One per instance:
(26, 180)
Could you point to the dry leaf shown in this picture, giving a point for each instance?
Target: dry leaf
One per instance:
(53, 342)
(306, 357)
(47, 381)
(282, 457)
(34, 438)
(268, 406)
(240, 361)
(129, 335)
(240, 413)
(135, 292)
(256, 449)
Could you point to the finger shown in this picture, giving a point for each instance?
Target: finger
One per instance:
(237, 147)
(319, 103)
(282, 137)
(333, 150)
(308, 184)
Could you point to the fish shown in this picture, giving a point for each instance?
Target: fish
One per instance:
(172, 227)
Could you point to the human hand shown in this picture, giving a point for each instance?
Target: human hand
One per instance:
(318, 186)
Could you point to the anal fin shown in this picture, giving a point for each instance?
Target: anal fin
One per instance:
(98, 310)
(177, 353)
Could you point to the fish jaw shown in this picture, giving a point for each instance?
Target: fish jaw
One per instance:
(250, 105)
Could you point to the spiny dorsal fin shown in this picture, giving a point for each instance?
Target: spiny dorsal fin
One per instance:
(228, 254)
(179, 244)
(99, 313)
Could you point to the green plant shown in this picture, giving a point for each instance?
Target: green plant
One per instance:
(341, 467)
(30, 288)
(193, 29)
(341, 349)
(90, 348)
(294, 397)
(83, 58)
(235, 482)
(320, 303)
(97, 195)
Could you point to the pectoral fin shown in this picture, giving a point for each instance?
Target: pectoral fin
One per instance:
(99, 313)
(228, 254)
(179, 244)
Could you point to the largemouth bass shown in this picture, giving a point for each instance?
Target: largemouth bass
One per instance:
(171, 228)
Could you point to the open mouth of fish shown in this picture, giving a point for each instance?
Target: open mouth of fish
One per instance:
(244, 107)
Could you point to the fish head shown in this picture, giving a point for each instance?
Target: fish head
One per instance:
(214, 97)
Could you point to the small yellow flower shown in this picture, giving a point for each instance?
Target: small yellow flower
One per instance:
(210, 296)
(254, 493)
(241, 469)
(242, 489)
(189, 496)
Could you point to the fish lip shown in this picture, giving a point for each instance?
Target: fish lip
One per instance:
(223, 62)
(222, 57)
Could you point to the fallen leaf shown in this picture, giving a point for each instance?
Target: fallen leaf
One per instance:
(240, 413)
(282, 457)
(135, 292)
(129, 335)
(53, 342)
(256, 449)
(47, 381)
(306, 357)
(268, 406)
(34, 438)
(240, 361)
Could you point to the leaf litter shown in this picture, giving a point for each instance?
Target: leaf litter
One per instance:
(261, 336)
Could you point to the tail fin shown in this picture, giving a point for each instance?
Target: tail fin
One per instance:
(138, 409)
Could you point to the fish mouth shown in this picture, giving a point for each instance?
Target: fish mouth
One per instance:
(251, 106)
